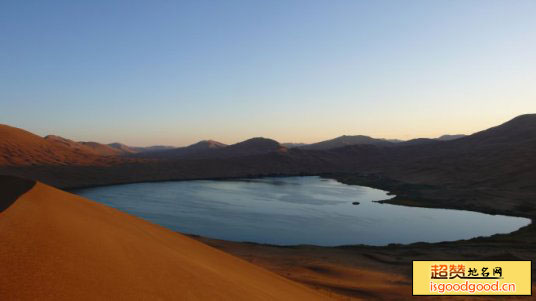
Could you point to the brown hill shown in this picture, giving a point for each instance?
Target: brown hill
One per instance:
(125, 149)
(252, 146)
(209, 149)
(68, 143)
(102, 149)
(346, 141)
(88, 147)
(58, 246)
(21, 148)
(498, 158)
(293, 144)
(207, 144)
(201, 148)
(450, 137)
(153, 148)
(520, 130)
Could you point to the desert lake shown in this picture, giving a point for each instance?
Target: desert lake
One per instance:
(294, 210)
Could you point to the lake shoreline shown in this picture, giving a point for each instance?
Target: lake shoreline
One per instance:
(386, 269)
(291, 211)
(404, 196)
(346, 265)
(295, 262)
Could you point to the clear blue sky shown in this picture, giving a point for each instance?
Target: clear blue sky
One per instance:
(174, 72)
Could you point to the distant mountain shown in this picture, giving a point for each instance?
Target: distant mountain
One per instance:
(417, 141)
(199, 148)
(520, 130)
(154, 148)
(394, 140)
(253, 146)
(89, 147)
(125, 149)
(360, 140)
(345, 141)
(450, 137)
(206, 144)
(501, 157)
(102, 149)
(214, 149)
(421, 141)
(68, 143)
(292, 145)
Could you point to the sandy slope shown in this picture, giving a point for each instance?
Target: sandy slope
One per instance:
(58, 246)
(22, 148)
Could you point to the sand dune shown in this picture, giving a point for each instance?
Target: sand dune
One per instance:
(85, 147)
(21, 148)
(58, 246)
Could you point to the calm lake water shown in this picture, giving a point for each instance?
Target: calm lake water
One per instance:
(294, 210)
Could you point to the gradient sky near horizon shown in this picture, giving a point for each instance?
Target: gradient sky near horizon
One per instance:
(175, 72)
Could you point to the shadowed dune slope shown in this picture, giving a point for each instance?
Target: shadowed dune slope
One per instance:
(11, 188)
(58, 246)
